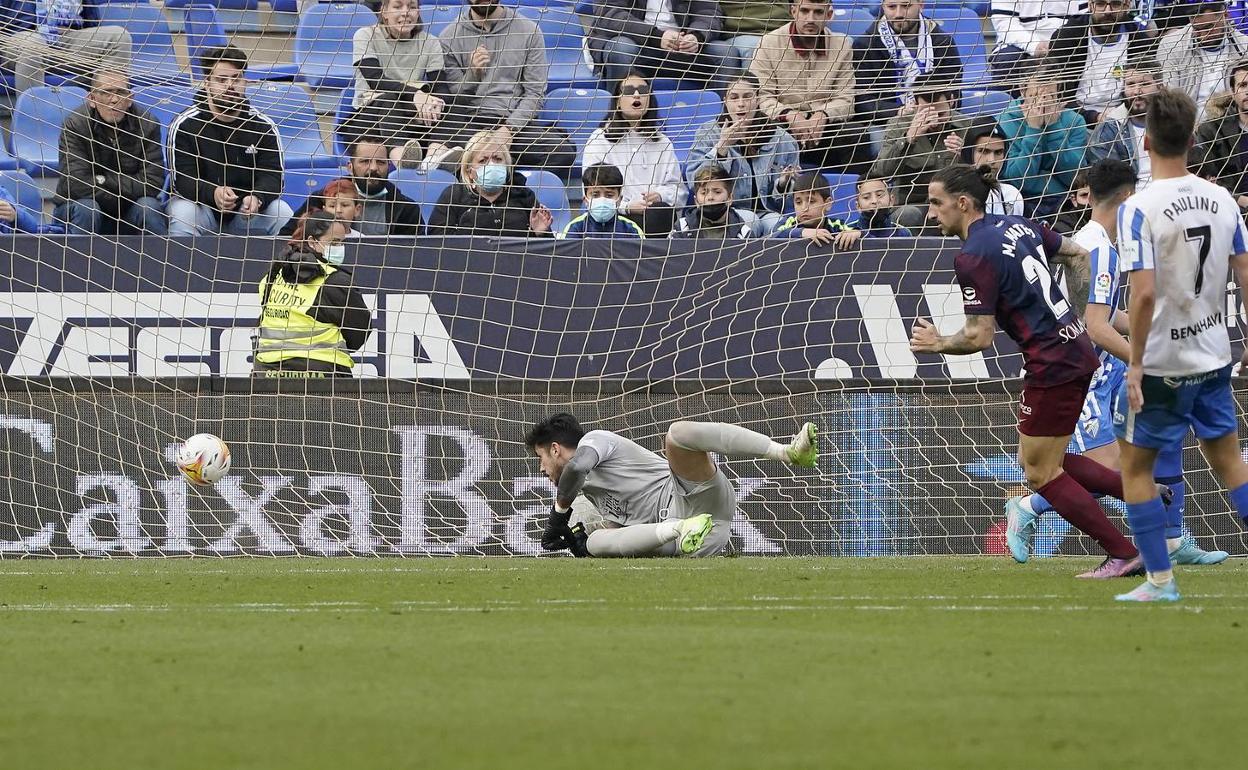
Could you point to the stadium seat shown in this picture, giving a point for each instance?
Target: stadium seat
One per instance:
(299, 183)
(24, 190)
(551, 193)
(439, 17)
(7, 161)
(565, 47)
(424, 188)
(340, 115)
(164, 103)
(153, 57)
(977, 103)
(37, 118)
(844, 195)
(681, 113)
(853, 22)
(967, 31)
(225, 5)
(203, 29)
(578, 111)
(290, 107)
(285, 6)
(323, 43)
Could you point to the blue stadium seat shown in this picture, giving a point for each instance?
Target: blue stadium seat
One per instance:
(24, 190)
(290, 107)
(203, 29)
(37, 118)
(967, 31)
(299, 183)
(578, 111)
(323, 42)
(424, 188)
(853, 22)
(989, 103)
(681, 113)
(844, 194)
(551, 193)
(285, 6)
(153, 58)
(565, 52)
(439, 17)
(340, 115)
(164, 103)
(225, 5)
(7, 161)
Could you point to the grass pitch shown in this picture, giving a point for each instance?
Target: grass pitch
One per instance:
(524, 663)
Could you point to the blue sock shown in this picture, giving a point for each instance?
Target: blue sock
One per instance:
(1038, 503)
(1148, 524)
(1174, 511)
(1239, 497)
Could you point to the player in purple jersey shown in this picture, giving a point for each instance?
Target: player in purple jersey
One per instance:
(1003, 270)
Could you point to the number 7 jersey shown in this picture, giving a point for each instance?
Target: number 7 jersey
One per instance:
(1184, 229)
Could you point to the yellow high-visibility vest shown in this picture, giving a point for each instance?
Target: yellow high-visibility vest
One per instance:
(287, 330)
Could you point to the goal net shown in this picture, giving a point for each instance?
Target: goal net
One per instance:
(128, 324)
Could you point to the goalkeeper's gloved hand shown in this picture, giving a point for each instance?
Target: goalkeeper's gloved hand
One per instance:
(578, 540)
(557, 535)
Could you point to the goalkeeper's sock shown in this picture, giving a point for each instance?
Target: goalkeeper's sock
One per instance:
(725, 439)
(637, 540)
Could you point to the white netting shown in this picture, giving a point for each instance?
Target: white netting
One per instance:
(116, 346)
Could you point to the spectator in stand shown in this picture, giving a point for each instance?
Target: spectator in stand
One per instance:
(604, 184)
(660, 38)
(1091, 52)
(985, 145)
(495, 67)
(1218, 154)
(67, 33)
(745, 23)
(1120, 134)
(1046, 144)
(1076, 209)
(903, 46)
(713, 216)
(875, 209)
(112, 166)
(225, 158)
(384, 209)
(490, 198)
(340, 199)
(760, 157)
(919, 142)
(812, 200)
(806, 79)
(1024, 30)
(14, 217)
(1194, 58)
(313, 316)
(400, 95)
(630, 140)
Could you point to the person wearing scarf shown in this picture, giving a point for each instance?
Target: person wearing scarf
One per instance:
(902, 45)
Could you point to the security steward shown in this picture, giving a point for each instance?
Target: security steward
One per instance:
(313, 317)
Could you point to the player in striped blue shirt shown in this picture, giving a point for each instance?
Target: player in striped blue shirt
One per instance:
(1111, 182)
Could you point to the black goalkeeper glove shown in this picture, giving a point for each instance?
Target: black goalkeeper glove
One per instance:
(559, 535)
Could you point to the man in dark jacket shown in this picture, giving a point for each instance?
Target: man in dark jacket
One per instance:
(111, 164)
(902, 45)
(1091, 50)
(1219, 153)
(386, 210)
(660, 38)
(34, 33)
(225, 157)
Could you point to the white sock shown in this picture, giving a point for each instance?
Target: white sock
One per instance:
(725, 439)
(637, 540)
(1159, 579)
(1173, 543)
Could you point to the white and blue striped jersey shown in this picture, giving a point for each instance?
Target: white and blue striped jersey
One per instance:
(1186, 230)
(1103, 282)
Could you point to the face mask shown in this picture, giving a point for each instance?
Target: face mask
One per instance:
(601, 210)
(714, 212)
(492, 177)
(335, 253)
(878, 217)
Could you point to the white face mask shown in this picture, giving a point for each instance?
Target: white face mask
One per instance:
(335, 253)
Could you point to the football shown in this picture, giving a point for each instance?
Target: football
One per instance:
(204, 459)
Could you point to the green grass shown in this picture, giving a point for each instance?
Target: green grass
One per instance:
(521, 663)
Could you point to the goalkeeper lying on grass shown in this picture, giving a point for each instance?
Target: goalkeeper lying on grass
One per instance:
(681, 506)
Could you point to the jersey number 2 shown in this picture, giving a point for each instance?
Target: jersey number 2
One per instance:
(1203, 234)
